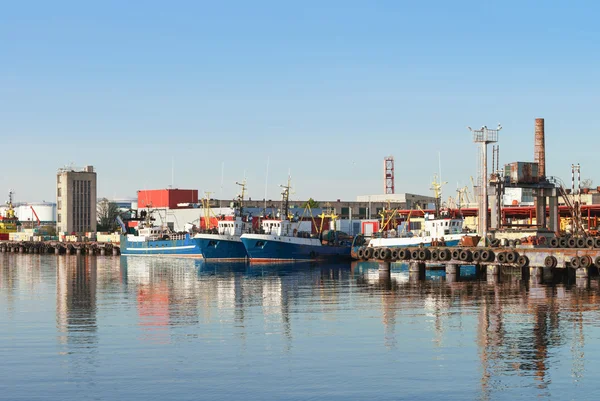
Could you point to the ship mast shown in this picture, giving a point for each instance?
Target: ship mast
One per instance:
(286, 197)
(241, 196)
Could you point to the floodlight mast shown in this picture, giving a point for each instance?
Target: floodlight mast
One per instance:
(484, 136)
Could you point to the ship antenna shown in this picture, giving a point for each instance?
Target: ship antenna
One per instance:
(241, 196)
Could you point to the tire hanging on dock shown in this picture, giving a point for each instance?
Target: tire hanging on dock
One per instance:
(360, 254)
(575, 262)
(585, 261)
(550, 261)
(523, 261)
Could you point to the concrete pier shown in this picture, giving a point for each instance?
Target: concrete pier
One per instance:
(582, 272)
(416, 270)
(452, 268)
(384, 266)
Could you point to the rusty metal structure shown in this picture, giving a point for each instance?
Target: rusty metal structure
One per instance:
(531, 176)
(388, 175)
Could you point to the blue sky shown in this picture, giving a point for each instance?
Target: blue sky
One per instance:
(324, 89)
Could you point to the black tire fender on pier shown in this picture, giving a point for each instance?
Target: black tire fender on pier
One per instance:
(444, 254)
(596, 242)
(589, 242)
(376, 252)
(511, 257)
(369, 253)
(575, 262)
(487, 256)
(402, 254)
(394, 254)
(553, 242)
(501, 257)
(563, 242)
(523, 261)
(385, 254)
(550, 261)
(422, 254)
(581, 243)
(465, 255)
(456, 254)
(435, 255)
(477, 256)
(597, 262)
(585, 261)
(414, 254)
(572, 242)
(360, 253)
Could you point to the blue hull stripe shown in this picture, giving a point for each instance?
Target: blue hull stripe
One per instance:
(275, 250)
(189, 247)
(222, 249)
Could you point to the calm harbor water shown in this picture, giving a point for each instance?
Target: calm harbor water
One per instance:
(106, 328)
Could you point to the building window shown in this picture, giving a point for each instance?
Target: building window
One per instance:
(345, 212)
(58, 193)
(59, 205)
(58, 217)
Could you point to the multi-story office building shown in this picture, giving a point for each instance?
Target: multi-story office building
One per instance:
(76, 200)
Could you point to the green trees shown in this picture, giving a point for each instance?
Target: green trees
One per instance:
(107, 212)
(313, 204)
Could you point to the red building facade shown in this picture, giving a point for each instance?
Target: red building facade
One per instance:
(167, 198)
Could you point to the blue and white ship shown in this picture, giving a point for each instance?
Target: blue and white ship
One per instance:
(281, 241)
(157, 241)
(225, 243)
(443, 229)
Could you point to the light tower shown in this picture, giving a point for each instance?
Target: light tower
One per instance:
(388, 174)
(484, 136)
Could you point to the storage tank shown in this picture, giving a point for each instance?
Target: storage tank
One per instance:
(46, 211)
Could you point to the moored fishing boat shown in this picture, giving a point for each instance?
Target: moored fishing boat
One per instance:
(156, 241)
(225, 243)
(280, 240)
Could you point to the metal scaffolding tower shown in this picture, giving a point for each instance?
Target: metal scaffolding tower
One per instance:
(484, 136)
(388, 175)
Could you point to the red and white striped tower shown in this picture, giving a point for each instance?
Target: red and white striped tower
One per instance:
(388, 174)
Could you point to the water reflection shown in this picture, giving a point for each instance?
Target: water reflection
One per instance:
(517, 333)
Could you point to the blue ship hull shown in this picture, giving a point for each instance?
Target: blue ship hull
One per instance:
(219, 248)
(260, 250)
(188, 247)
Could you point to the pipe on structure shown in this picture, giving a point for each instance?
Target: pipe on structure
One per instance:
(540, 147)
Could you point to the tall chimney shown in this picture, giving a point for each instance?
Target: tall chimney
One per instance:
(540, 147)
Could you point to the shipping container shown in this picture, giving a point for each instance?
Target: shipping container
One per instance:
(369, 227)
(521, 173)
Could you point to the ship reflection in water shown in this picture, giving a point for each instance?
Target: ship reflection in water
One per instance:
(100, 327)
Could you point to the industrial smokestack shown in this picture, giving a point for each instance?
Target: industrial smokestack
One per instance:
(540, 147)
